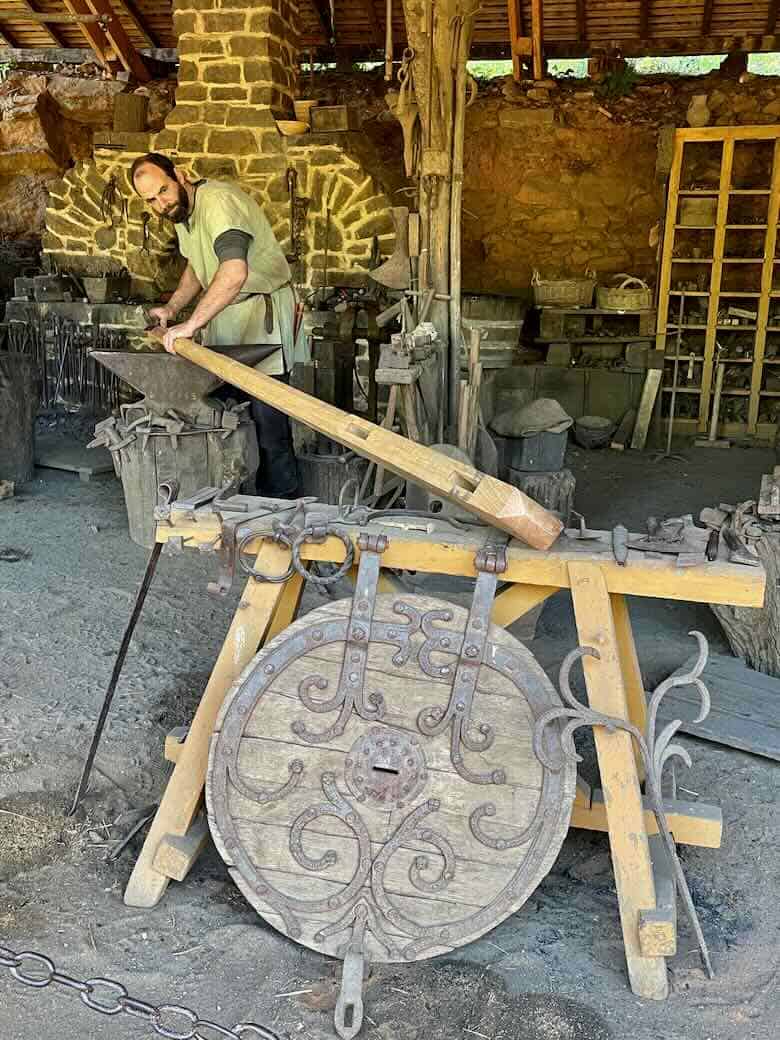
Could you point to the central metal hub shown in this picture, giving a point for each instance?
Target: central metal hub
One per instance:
(386, 768)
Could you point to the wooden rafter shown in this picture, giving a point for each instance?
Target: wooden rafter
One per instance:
(93, 34)
(138, 20)
(771, 16)
(582, 20)
(322, 7)
(120, 41)
(644, 18)
(537, 35)
(8, 39)
(373, 20)
(706, 17)
(54, 35)
(516, 31)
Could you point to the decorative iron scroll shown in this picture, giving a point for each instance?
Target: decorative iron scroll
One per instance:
(656, 751)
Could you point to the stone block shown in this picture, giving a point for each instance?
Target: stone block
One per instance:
(207, 166)
(197, 45)
(268, 24)
(185, 22)
(217, 93)
(276, 189)
(58, 187)
(184, 115)
(258, 70)
(247, 115)
(231, 142)
(224, 22)
(270, 142)
(105, 237)
(165, 141)
(191, 92)
(64, 227)
(192, 139)
(222, 72)
(520, 118)
(188, 72)
(265, 166)
(377, 225)
(50, 241)
(325, 156)
(215, 113)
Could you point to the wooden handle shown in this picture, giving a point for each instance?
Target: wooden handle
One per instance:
(499, 504)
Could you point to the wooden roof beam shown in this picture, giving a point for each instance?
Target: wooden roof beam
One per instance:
(92, 32)
(644, 18)
(771, 16)
(322, 7)
(53, 34)
(118, 38)
(582, 19)
(137, 18)
(706, 17)
(376, 28)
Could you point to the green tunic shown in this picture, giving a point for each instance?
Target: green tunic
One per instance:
(221, 206)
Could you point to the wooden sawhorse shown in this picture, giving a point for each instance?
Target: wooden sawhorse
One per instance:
(614, 686)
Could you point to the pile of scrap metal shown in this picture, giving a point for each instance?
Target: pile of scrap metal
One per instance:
(743, 526)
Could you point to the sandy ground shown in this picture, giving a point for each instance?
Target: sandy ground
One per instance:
(553, 971)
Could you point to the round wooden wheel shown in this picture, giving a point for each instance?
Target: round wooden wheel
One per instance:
(373, 813)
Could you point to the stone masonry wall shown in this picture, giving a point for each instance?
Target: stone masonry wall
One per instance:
(237, 76)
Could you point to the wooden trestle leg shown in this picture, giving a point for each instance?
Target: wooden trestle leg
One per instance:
(265, 609)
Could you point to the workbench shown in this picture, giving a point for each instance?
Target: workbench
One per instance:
(599, 588)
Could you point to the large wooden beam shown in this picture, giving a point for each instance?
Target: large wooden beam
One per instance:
(499, 504)
(120, 41)
(706, 17)
(323, 12)
(377, 34)
(516, 30)
(135, 16)
(644, 18)
(771, 15)
(74, 55)
(53, 34)
(93, 33)
(537, 35)
(582, 19)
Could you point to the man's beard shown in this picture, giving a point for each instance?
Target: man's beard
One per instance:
(181, 210)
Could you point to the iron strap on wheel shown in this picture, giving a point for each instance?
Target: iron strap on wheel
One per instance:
(111, 998)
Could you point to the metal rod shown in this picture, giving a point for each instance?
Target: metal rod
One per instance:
(151, 566)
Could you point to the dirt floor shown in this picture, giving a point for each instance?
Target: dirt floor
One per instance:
(553, 971)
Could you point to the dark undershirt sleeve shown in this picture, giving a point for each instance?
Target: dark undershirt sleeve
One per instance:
(232, 245)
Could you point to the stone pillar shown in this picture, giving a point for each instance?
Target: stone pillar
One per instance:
(236, 75)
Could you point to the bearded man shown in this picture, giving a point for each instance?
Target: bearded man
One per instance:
(237, 271)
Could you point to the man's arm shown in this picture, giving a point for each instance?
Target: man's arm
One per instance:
(225, 287)
(186, 291)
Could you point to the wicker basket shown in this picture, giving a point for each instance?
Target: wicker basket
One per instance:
(631, 295)
(563, 292)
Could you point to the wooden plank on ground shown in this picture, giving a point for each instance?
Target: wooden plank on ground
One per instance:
(622, 435)
(646, 406)
(55, 452)
(745, 711)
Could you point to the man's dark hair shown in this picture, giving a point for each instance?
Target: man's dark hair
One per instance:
(162, 162)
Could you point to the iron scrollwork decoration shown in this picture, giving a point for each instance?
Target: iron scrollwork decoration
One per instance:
(656, 750)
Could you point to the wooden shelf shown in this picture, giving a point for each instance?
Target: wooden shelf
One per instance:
(682, 389)
(707, 332)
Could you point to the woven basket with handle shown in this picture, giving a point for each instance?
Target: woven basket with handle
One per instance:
(631, 295)
(563, 292)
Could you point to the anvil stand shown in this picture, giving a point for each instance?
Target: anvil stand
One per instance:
(598, 586)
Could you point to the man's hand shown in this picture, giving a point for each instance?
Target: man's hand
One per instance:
(163, 315)
(184, 331)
